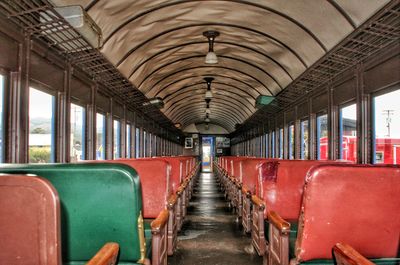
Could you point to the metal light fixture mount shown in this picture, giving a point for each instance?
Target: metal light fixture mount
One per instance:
(208, 81)
(211, 57)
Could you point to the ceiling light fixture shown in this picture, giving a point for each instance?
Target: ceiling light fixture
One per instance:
(211, 57)
(208, 92)
(157, 102)
(207, 119)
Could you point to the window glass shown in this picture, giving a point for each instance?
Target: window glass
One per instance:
(150, 145)
(117, 139)
(261, 142)
(144, 143)
(348, 133)
(291, 141)
(155, 145)
(128, 141)
(304, 139)
(77, 137)
(266, 145)
(41, 126)
(280, 143)
(137, 142)
(387, 128)
(100, 136)
(272, 144)
(322, 137)
(2, 143)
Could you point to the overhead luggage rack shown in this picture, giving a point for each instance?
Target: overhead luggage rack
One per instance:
(41, 20)
(380, 31)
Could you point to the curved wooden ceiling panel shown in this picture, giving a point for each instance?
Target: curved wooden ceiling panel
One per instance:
(263, 46)
(266, 82)
(199, 72)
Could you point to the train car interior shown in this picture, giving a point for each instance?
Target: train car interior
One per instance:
(175, 132)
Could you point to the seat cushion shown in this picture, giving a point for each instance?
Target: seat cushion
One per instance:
(292, 238)
(147, 228)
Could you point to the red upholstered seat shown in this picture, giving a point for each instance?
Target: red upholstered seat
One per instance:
(29, 221)
(234, 166)
(279, 188)
(176, 177)
(281, 185)
(249, 173)
(354, 204)
(154, 176)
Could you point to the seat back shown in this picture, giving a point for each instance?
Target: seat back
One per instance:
(176, 176)
(249, 173)
(155, 181)
(229, 163)
(354, 204)
(280, 185)
(235, 166)
(29, 221)
(100, 203)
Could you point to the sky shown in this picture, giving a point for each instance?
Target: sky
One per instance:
(40, 104)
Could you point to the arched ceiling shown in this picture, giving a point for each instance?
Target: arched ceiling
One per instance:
(263, 46)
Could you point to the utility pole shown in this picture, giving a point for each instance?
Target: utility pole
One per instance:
(388, 114)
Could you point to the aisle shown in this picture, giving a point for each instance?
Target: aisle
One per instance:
(210, 234)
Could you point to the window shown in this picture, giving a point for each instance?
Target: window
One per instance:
(137, 142)
(348, 133)
(128, 141)
(2, 130)
(144, 144)
(272, 144)
(260, 142)
(41, 126)
(304, 139)
(150, 145)
(322, 137)
(100, 136)
(117, 139)
(387, 128)
(266, 145)
(280, 143)
(155, 140)
(291, 141)
(77, 135)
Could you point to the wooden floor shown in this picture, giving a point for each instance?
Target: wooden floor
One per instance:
(211, 233)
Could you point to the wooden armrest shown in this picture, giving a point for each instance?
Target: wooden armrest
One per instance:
(345, 254)
(276, 220)
(258, 202)
(171, 201)
(180, 189)
(246, 192)
(159, 222)
(107, 255)
(237, 183)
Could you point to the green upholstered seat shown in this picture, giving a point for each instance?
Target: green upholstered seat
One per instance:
(292, 237)
(147, 227)
(99, 203)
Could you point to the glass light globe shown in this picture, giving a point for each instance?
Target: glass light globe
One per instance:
(211, 58)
